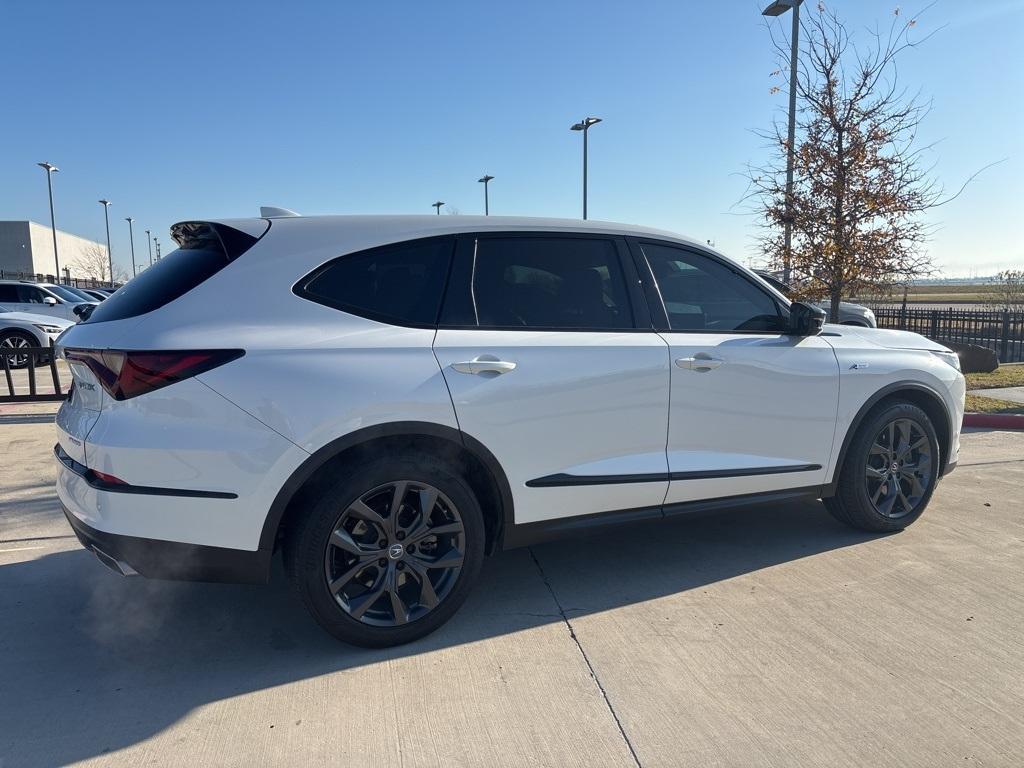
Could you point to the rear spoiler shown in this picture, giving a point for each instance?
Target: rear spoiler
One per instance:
(214, 236)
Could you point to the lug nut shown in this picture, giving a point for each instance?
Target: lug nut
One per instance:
(401, 535)
(411, 548)
(382, 562)
(381, 544)
(401, 566)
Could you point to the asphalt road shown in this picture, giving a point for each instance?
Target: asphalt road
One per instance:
(769, 636)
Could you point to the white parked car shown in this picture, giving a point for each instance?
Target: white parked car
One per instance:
(19, 330)
(849, 313)
(389, 399)
(43, 299)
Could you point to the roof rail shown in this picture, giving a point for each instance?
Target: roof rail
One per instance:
(270, 212)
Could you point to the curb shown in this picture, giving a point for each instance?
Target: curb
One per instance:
(994, 420)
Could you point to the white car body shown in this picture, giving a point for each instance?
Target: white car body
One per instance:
(41, 299)
(45, 328)
(21, 329)
(587, 424)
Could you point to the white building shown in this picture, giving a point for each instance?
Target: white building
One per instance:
(26, 249)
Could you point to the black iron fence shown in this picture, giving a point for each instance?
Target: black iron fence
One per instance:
(37, 277)
(31, 375)
(999, 330)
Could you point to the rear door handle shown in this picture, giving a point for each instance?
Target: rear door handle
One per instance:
(698, 363)
(484, 365)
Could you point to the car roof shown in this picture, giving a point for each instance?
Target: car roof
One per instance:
(425, 225)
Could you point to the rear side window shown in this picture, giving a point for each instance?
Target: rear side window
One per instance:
(399, 284)
(9, 293)
(204, 250)
(548, 283)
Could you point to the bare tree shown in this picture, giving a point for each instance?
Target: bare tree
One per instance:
(92, 262)
(1008, 292)
(861, 184)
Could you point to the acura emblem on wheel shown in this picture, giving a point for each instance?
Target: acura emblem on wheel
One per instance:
(395, 551)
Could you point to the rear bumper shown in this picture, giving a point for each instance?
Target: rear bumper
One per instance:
(157, 559)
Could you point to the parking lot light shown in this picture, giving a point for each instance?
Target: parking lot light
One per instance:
(487, 179)
(110, 255)
(584, 125)
(50, 170)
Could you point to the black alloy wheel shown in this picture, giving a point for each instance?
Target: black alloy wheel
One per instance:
(898, 472)
(395, 553)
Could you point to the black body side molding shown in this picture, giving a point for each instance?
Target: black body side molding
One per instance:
(562, 479)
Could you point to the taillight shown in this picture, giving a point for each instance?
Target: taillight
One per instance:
(128, 373)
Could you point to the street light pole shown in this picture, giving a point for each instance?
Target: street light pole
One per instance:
(131, 239)
(437, 205)
(110, 255)
(487, 179)
(50, 170)
(584, 125)
(778, 8)
(149, 244)
(156, 242)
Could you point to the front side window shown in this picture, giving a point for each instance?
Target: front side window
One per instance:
(9, 293)
(29, 294)
(701, 294)
(399, 284)
(548, 283)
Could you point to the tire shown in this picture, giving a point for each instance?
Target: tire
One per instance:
(355, 513)
(15, 339)
(866, 497)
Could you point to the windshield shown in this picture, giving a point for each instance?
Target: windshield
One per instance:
(66, 294)
(86, 296)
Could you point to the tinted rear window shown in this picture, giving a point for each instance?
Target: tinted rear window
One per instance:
(205, 250)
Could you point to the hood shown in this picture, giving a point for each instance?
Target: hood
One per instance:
(884, 337)
(844, 306)
(29, 317)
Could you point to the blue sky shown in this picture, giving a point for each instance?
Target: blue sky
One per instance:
(205, 109)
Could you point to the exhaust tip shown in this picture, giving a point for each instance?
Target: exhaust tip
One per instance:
(112, 563)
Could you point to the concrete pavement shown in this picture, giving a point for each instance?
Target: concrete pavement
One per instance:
(770, 636)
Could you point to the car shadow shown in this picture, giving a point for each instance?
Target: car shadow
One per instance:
(92, 663)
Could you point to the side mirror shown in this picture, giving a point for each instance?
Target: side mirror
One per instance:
(83, 310)
(49, 301)
(805, 319)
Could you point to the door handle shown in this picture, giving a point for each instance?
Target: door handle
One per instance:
(698, 363)
(484, 365)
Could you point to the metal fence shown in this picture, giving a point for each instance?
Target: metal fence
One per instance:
(77, 282)
(999, 330)
(25, 372)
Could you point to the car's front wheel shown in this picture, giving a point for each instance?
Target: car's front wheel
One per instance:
(890, 470)
(388, 550)
(17, 342)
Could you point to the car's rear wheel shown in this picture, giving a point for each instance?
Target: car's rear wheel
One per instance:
(13, 341)
(890, 470)
(388, 551)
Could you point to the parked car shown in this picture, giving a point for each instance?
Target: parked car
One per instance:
(392, 398)
(42, 299)
(849, 314)
(19, 330)
(96, 294)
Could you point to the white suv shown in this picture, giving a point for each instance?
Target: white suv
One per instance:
(388, 399)
(43, 299)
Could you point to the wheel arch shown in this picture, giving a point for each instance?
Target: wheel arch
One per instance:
(479, 467)
(20, 332)
(921, 395)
